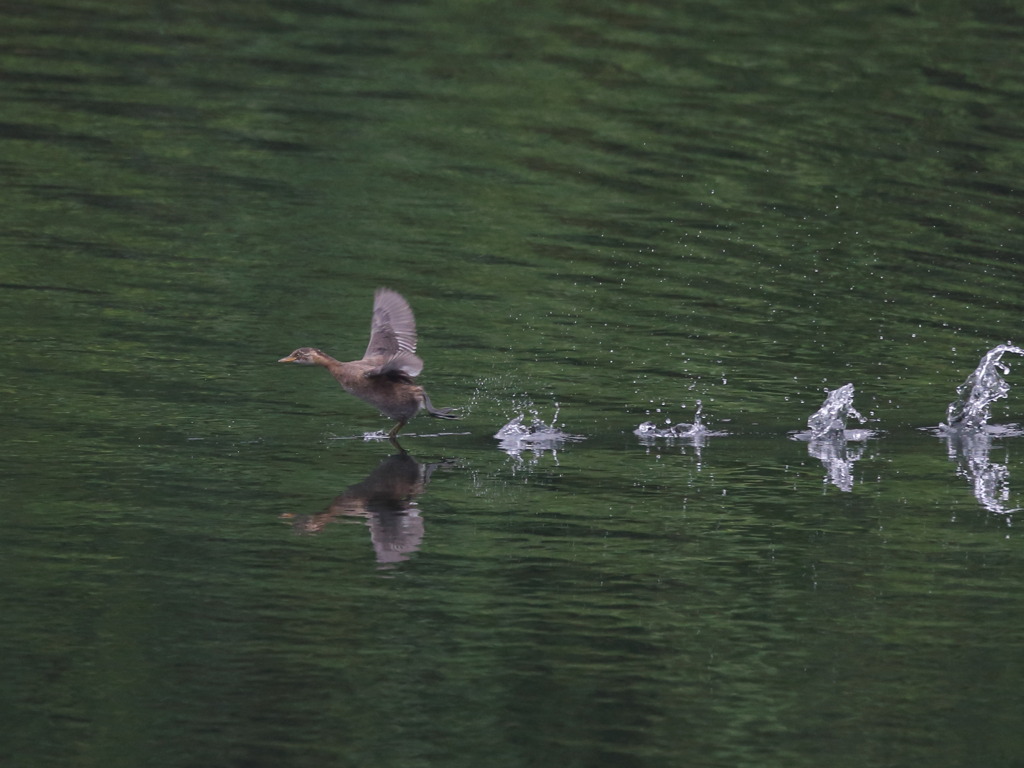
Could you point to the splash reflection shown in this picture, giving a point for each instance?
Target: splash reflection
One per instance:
(838, 458)
(989, 480)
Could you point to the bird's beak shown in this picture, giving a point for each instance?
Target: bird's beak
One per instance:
(289, 359)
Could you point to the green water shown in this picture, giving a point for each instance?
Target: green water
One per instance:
(601, 213)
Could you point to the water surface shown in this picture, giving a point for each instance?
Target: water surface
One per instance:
(600, 214)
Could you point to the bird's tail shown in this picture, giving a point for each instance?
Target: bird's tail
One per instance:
(437, 413)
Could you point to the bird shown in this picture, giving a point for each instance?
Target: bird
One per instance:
(384, 377)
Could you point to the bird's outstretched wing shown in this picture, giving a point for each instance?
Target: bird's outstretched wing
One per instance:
(393, 335)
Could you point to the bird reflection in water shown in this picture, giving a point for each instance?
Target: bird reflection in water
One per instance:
(387, 499)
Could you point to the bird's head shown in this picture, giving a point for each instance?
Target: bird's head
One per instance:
(304, 356)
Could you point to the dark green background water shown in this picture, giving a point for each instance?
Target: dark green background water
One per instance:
(609, 209)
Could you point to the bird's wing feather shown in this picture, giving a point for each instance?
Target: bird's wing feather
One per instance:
(393, 328)
(403, 362)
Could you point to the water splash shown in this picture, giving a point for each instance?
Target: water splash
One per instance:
(972, 408)
(695, 433)
(537, 436)
(828, 438)
(969, 436)
(829, 421)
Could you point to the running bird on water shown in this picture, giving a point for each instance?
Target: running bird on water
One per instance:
(384, 377)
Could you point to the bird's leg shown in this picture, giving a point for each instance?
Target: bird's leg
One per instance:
(437, 413)
(393, 435)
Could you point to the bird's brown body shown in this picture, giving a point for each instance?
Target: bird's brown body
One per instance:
(384, 376)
